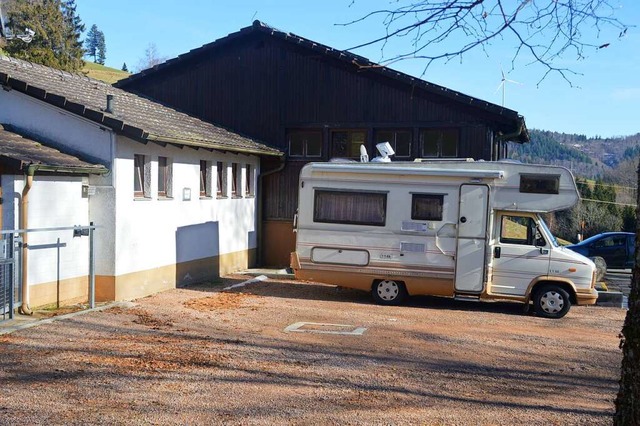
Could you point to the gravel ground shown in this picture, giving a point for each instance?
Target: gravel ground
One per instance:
(203, 356)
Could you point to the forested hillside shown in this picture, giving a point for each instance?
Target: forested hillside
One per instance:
(592, 158)
(545, 148)
(605, 170)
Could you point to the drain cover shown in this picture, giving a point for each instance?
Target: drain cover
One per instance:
(322, 328)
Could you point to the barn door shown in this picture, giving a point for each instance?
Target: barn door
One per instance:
(472, 238)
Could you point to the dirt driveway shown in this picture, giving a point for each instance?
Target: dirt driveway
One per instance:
(202, 356)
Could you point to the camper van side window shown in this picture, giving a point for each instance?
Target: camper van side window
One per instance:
(426, 206)
(350, 207)
(540, 184)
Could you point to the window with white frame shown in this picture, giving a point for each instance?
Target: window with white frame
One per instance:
(205, 179)
(249, 176)
(165, 177)
(141, 176)
(221, 182)
(235, 181)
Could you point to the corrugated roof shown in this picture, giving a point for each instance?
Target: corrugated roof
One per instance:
(356, 60)
(25, 152)
(132, 115)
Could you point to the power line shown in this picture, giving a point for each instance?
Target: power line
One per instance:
(607, 202)
(606, 184)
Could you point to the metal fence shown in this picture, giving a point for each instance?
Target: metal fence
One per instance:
(10, 273)
(11, 245)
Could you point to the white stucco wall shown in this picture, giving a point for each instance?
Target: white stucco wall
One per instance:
(54, 201)
(157, 232)
(57, 126)
(81, 137)
(132, 235)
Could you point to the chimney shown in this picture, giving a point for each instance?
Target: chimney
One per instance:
(110, 104)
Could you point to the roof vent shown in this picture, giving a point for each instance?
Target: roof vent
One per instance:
(110, 104)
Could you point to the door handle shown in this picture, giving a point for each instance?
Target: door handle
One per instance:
(496, 252)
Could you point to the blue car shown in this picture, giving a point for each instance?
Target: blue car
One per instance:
(616, 248)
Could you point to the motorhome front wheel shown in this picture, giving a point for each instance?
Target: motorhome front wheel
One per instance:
(552, 301)
(389, 292)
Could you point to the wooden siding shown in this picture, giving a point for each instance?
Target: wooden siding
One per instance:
(260, 86)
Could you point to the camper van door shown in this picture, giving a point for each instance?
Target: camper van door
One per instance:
(472, 238)
(519, 256)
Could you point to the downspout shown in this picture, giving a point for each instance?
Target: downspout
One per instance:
(24, 223)
(1, 209)
(260, 206)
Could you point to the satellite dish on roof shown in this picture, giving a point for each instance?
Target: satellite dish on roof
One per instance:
(385, 150)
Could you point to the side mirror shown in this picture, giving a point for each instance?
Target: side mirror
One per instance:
(539, 240)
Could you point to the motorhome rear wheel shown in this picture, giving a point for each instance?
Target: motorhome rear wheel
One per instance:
(388, 292)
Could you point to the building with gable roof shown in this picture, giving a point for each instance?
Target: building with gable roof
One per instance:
(315, 103)
(174, 198)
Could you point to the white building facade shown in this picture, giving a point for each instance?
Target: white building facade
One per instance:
(167, 213)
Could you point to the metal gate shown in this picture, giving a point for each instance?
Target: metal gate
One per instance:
(10, 274)
(11, 245)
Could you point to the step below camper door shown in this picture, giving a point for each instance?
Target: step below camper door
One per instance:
(472, 238)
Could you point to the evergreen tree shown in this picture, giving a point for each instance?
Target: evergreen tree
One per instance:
(124, 67)
(73, 31)
(605, 192)
(584, 188)
(102, 49)
(52, 44)
(628, 219)
(91, 42)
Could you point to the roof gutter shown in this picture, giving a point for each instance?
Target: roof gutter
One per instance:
(522, 128)
(187, 142)
(67, 169)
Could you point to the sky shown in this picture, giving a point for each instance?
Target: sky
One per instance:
(603, 98)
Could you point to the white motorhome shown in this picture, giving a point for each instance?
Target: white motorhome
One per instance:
(463, 229)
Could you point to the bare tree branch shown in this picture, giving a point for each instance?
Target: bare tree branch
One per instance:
(543, 31)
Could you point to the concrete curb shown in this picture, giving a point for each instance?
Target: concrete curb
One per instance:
(276, 274)
(36, 322)
(610, 299)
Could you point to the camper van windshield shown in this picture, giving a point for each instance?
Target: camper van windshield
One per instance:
(554, 242)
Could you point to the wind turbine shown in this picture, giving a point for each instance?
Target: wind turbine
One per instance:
(503, 84)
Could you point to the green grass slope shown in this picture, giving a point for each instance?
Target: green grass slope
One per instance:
(102, 73)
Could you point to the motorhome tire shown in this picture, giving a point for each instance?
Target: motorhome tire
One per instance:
(551, 301)
(388, 292)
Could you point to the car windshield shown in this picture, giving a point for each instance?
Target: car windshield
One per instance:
(591, 239)
(547, 232)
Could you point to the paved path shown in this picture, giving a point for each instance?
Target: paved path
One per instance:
(619, 280)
